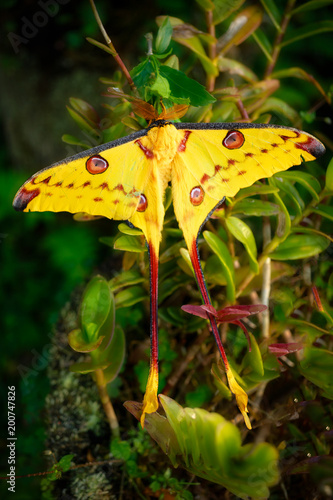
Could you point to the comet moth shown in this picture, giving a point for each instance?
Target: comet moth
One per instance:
(126, 180)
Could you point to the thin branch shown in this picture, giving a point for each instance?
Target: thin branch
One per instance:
(106, 402)
(211, 48)
(279, 38)
(111, 47)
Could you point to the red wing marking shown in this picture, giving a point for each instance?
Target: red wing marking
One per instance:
(71, 185)
(204, 178)
(87, 183)
(98, 199)
(105, 186)
(285, 138)
(249, 155)
(311, 146)
(241, 172)
(23, 198)
(149, 154)
(182, 144)
(264, 150)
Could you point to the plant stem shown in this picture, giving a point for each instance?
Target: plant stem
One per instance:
(211, 49)
(107, 405)
(266, 279)
(111, 46)
(279, 38)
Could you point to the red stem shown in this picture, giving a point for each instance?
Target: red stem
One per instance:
(195, 259)
(153, 264)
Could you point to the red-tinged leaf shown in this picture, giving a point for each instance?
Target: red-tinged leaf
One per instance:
(249, 309)
(196, 311)
(284, 349)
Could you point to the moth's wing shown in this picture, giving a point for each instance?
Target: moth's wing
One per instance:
(105, 181)
(216, 160)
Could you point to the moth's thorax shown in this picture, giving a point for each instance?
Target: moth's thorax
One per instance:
(163, 141)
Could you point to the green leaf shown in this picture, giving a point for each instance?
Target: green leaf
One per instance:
(131, 231)
(329, 176)
(246, 471)
(300, 246)
(316, 366)
(130, 296)
(221, 250)
(113, 355)
(194, 44)
(74, 141)
(251, 206)
(244, 24)
(161, 87)
(284, 222)
(96, 302)
(287, 187)
(201, 395)
(273, 12)
(243, 233)
(260, 37)
(83, 123)
(236, 68)
(311, 5)
(255, 189)
(79, 342)
(206, 4)
(129, 244)
(307, 30)
(126, 278)
(142, 73)
(163, 37)
(253, 359)
(85, 109)
(325, 211)
(273, 104)
(65, 462)
(309, 182)
(185, 88)
(223, 9)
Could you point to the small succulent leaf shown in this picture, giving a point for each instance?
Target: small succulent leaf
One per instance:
(242, 232)
(113, 355)
(316, 366)
(253, 358)
(131, 231)
(130, 296)
(96, 303)
(222, 252)
(300, 246)
(128, 243)
(251, 206)
(78, 341)
(308, 181)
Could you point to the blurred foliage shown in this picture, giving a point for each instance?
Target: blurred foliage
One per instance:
(258, 69)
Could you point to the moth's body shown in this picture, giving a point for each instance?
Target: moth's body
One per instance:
(126, 180)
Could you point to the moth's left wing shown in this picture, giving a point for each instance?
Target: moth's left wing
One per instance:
(216, 160)
(106, 180)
